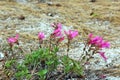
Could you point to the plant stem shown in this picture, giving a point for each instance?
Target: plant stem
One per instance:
(40, 44)
(61, 76)
(84, 51)
(50, 42)
(68, 46)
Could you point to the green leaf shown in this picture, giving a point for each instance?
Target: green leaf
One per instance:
(49, 62)
(77, 68)
(77, 65)
(56, 49)
(94, 14)
(22, 73)
(28, 76)
(16, 47)
(67, 68)
(8, 64)
(42, 72)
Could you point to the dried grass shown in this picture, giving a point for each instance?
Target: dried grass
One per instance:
(73, 12)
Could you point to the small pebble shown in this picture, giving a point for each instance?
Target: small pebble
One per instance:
(92, 0)
(21, 17)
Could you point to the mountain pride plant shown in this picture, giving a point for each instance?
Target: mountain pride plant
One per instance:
(44, 63)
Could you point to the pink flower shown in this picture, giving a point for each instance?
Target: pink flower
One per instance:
(41, 36)
(102, 54)
(94, 40)
(71, 34)
(13, 40)
(104, 44)
(58, 29)
(102, 76)
(97, 41)
(57, 25)
(61, 39)
(57, 32)
(90, 35)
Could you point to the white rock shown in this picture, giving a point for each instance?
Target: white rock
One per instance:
(21, 1)
(1, 55)
(113, 78)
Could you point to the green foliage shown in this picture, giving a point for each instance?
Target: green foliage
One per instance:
(67, 62)
(44, 59)
(94, 15)
(77, 67)
(21, 74)
(9, 63)
(71, 65)
(43, 73)
(41, 62)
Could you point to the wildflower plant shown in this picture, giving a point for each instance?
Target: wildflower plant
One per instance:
(57, 35)
(44, 63)
(13, 40)
(13, 43)
(94, 45)
(41, 36)
(70, 35)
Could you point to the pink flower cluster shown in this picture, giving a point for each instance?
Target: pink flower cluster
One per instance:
(93, 41)
(58, 32)
(71, 34)
(41, 36)
(58, 29)
(98, 43)
(12, 40)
